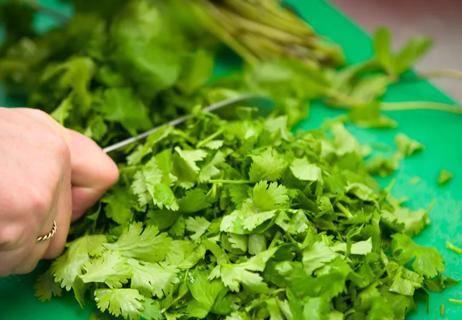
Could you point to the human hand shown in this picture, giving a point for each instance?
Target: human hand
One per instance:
(47, 173)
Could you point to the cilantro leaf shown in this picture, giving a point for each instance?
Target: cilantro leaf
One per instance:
(124, 302)
(268, 165)
(146, 245)
(427, 261)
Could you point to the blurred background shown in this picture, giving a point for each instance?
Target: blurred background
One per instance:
(439, 20)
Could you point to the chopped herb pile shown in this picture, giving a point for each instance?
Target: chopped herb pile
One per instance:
(241, 219)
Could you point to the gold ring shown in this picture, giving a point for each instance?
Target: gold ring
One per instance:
(50, 234)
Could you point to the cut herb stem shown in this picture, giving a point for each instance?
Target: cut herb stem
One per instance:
(229, 181)
(420, 105)
(453, 247)
(455, 301)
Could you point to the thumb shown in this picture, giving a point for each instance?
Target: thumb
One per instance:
(92, 172)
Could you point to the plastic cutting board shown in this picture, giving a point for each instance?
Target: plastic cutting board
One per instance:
(440, 132)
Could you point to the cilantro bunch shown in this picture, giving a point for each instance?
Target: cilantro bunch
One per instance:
(241, 219)
(115, 68)
(118, 67)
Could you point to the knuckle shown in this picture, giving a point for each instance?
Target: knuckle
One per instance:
(39, 202)
(58, 146)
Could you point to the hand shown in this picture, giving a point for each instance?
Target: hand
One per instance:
(47, 173)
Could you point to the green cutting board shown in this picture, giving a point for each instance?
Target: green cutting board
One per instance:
(440, 132)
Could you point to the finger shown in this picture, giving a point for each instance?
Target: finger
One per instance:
(62, 217)
(92, 172)
(24, 257)
(82, 200)
(17, 261)
(39, 116)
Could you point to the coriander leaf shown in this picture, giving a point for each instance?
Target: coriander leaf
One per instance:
(412, 221)
(70, 265)
(61, 113)
(246, 272)
(245, 220)
(148, 186)
(274, 310)
(74, 74)
(427, 261)
(124, 302)
(211, 169)
(317, 256)
(194, 200)
(121, 105)
(238, 241)
(316, 308)
(439, 283)
(153, 278)
(204, 292)
(407, 146)
(197, 225)
(151, 310)
(269, 196)
(361, 191)
(292, 221)
(111, 268)
(444, 177)
(185, 254)
(268, 165)
(305, 171)
(185, 165)
(360, 248)
(382, 166)
(343, 142)
(405, 282)
(46, 288)
(119, 204)
(146, 245)
(196, 71)
(191, 157)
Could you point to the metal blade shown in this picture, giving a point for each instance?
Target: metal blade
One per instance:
(248, 98)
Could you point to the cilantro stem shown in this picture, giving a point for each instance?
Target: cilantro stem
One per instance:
(453, 247)
(229, 181)
(209, 138)
(420, 105)
(455, 301)
(344, 210)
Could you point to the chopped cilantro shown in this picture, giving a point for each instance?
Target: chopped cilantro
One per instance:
(284, 226)
(453, 247)
(444, 177)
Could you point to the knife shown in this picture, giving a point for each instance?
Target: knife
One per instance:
(249, 99)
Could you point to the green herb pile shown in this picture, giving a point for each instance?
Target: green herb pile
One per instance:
(226, 217)
(241, 219)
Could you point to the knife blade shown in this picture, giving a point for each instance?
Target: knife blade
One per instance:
(247, 98)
